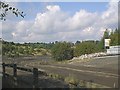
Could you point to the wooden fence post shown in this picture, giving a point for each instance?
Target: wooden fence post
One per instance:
(35, 78)
(3, 67)
(14, 70)
(15, 74)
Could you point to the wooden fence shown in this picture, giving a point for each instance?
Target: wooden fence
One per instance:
(34, 71)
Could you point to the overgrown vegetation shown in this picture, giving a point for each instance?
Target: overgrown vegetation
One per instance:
(73, 82)
(60, 50)
(86, 47)
(115, 37)
(12, 49)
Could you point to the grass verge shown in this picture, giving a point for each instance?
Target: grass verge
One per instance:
(75, 83)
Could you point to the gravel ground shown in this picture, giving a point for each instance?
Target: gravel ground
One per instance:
(110, 62)
(107, 64)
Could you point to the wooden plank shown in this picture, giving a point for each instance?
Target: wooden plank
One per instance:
(20, 68)
(9, 65)
(34, 71)
(3, 66)
(25, 69)
(14, 70)
(42, 73)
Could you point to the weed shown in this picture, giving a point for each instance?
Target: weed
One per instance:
(71, 80)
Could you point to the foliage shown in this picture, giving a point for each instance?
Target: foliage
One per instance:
(86, 47)
(62, 51)
(114, 36)
(77, 42)
(5, 8)
(55, 76)
(16, 49)
(106, 34)
(101, 43)
(71, 80)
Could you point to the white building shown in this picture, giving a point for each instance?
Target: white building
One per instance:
(113, 50)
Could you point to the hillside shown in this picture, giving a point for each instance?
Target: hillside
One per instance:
(12, 49)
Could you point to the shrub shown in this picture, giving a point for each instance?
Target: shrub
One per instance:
(71, 80)
(62, 51)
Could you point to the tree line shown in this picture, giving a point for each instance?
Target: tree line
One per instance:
(61, 50)
(66, 50)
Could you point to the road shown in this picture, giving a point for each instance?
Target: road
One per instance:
(102, 70)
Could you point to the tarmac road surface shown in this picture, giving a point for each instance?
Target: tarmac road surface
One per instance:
(104, 70)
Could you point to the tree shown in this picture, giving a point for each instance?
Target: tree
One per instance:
(85, 48)
(62, 51)
(114, 36)
(106, 34)
(101, 43)
(5, 8)
(77, 42)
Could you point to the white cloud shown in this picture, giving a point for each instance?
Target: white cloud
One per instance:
(110, 16)
(14, 34)
(50, 21)
(81, 20)
(88, 31)
(55, 24)
(23, 28)
(54, 8)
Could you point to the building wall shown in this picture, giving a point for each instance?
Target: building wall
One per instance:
(113, 50)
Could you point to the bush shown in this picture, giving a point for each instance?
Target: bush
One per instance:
(62, 51)
(71, 80)
(55, 76)
(85, 48)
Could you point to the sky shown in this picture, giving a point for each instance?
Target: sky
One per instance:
(60, 21)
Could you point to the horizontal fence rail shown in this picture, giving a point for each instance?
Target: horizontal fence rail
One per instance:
(34, 71)
(25, 69)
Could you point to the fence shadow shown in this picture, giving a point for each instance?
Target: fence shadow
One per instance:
(29, 78)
